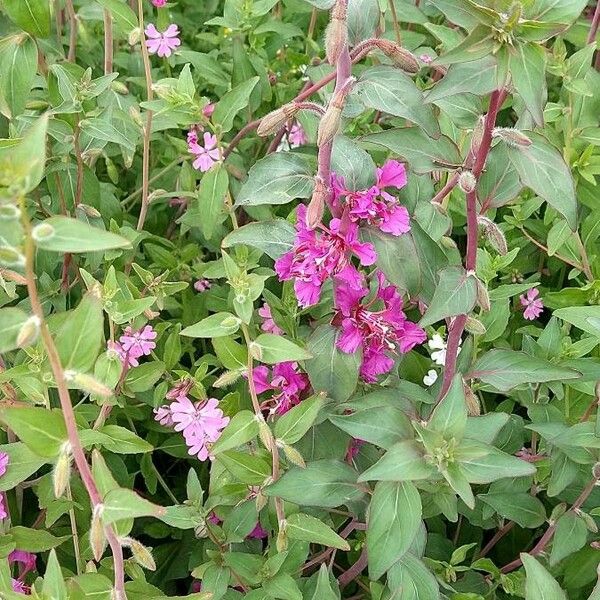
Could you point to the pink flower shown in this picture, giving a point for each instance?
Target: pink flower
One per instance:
(182, 388)
(296, 135)
(124, 357)
(26, 560)
(202, 285)
(286, 383)
(138, 343)
(258, 533)
(4, 460)
(20, 587)
(533, 305)
(376, 206)
(207, 155)
(378, 333)
(162, 43)
(164, 415)
(353, 449)
(317, 256)
(192, 136)
(209, 109)
(159, 3)
(425, 58)
(201, 423)
(268, 324)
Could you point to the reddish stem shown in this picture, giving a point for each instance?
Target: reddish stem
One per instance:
(595, 24)
(355, 570)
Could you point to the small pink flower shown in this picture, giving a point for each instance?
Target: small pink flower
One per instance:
(207, 155)
(268, 324)
(27, 560)
(159, 3)
(286, 383)
(181, 388)
(4, 460)
(162, 43)
(353, 449)
(192, 136)
(202, 285)
(164, 416)
(533, 305)
(208, 110)
(138, 343)
(425, 58)
(124, 357)
(296, 136)
(20, 587)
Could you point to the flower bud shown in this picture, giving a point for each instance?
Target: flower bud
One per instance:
(467, 182)
(472, 401)
(97, 535)
(596, 470)
(483, 298)
(401, 57)
(134, 36)
(140, 553)
(293, 455)
(275, 120)
(282, 539)
(119, 87)
(475, 326)
(11, 257)
(87, 383)
(588, 520)
(493, 234)
(89, 211)
(29, 332)
(512, 137)
(260, 501)
(477, 136)
(336, 34)
(448, 242)
(329, 125)
(226, 379)
(316, 206)
(61, 474)
(37, 105)
(264, 433)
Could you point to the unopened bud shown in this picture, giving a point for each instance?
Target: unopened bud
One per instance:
(89, 211)
(401, 57)
(134, 36)
(97, 535)
(42, 232)
(477, 137)
(336, 34)
(37, 105)
(87, 383)
(472, 401)
(276, 119)
(140, 553)
(260, 501)
(136, 116)
(90, 567)
(264, 433)
(448, 242)
(282, 538)
(226, 379)
(119, 87)
(329, 125)
(467, 182)
(475, 326)
(255, 350)
(493, 234)
(512, 137)
(293, 456)
(316, 206)
(29, 332)
(596, 470)
(588, 520)
(483, 298)
(61, 474)
(11, 257)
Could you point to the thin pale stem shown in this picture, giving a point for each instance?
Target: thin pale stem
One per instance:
(108, 42)
(395, 22)
(72, 30)
(74, 532)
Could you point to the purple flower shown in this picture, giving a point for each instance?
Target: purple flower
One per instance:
(201, 423)
(286, 383)
(159, 3)
(258, 533)
(296, 135)
(20, 587)
(376, 206)
(162, 43)
(202, 285)
(317, 256)
(207, 155)
(377, 332)
(4, 460)
(26, 560)
(182, 388)
(533, 305)
(268, 324)
(209, 109)
(353, 449)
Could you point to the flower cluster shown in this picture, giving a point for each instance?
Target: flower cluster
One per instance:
(286, 383)
(134, 344)
(376, 206)
(319, 255)
(162, 43)
(201, 423)
(377, 332)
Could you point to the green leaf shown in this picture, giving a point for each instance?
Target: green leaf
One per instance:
(272, 349)
(482, 463)
(247, 468)
(102, 128)
(350, 161)
(33, 16)
(528, 71)
(242, 428)
(455, 294)
(122, 503)
(570, 535)
(282, 587)
(11, 322)
(42, 430)
(506, 369)
(292, 426)
(543, 169)
(122, 441)
(422, 152)
(323, 589)
(459, 12)
(540, 585)
(324, 483)
(217, 325)
(479, 43)
(412, 579)
(331, 370)
(232, 355)
(586, 318)
(278, 178)
(308, 529)
(22, 462)
(54, 586)
(274, 238)
(363, 17)
(520, 507)
(211, 199)
(63, 234)
(124, 18)
(404, 461)
(449, 417)
(240, 522)
(232, 102)
(389, 90)
(18, 65)
(35, 540)
(549, 11)
(393, 522)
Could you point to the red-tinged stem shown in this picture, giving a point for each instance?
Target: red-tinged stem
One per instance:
(450, 185)
(108, 42)
(595, 24)
(496, 538)
(457, 327)
(355, 570)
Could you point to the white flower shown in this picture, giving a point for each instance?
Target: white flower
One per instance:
(431, 377)
(438, 344)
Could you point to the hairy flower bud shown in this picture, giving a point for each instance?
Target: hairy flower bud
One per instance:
(282, 538)
(336, 34)
(467, 182)
(11, 257)
(293, 455)
(29, 332)
(62, 470)
(475, 326)
(86, 382)
(477, 136)
(493, 234)
(97, 535)
(264, 433)
(275, 120)
(329, 125)
(316, 207)
(401, 57)
(483, 298)
(227, 378)
(472, 401)
(140, 553)
(512, 137)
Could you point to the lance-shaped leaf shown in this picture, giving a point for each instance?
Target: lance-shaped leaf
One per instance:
(274, 238)
(22, 463)
(272, 349)
(291, 426)
(122, 503)
(324, 588)
(31, 15)
(242, 428)
(404, 461)
(217, 325)
(520, 507)
(411, 578)
(449, 417)
(308, 529)
(540, 585)
(355, 165)
(211, 200)
(586, 318)
(18, 64)
(232, 102)
(528, 71)
(11, 322)
(570, 536)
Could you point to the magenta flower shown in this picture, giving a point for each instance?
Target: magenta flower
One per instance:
(533, 305)
(159, 3)
(20, 587)
(4, 460)
(209, 109)
(268, 323)
(286, 383)
(201, 423)
(317, 256)
(376, 206)
(378, 333)
(258, 533)
(162, 43)
(353, 449)
(296, 135)
(26, 560)
(207, 155)
(202, 285)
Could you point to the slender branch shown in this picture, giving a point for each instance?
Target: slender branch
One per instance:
(79, 159)
(450, 185)
(595, 24)
(72, 30)
(355, 570)
(496, 538)
(148, 125)
(541, 246)
(65, 401)
(395, 21)
(108, 42)
(74, 532)
(156, 177)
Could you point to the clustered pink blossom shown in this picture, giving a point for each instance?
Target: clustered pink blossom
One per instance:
(533, 305)
(4, 460)
(284, 381)
(319, 255)
(159, 3)
(377, 332)
(202, 285)
(27, 561)
(134, 344)
(205, 156)
(201, 423)
(162, 43)
(296, 135)
(268, 323)
(376, 206)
